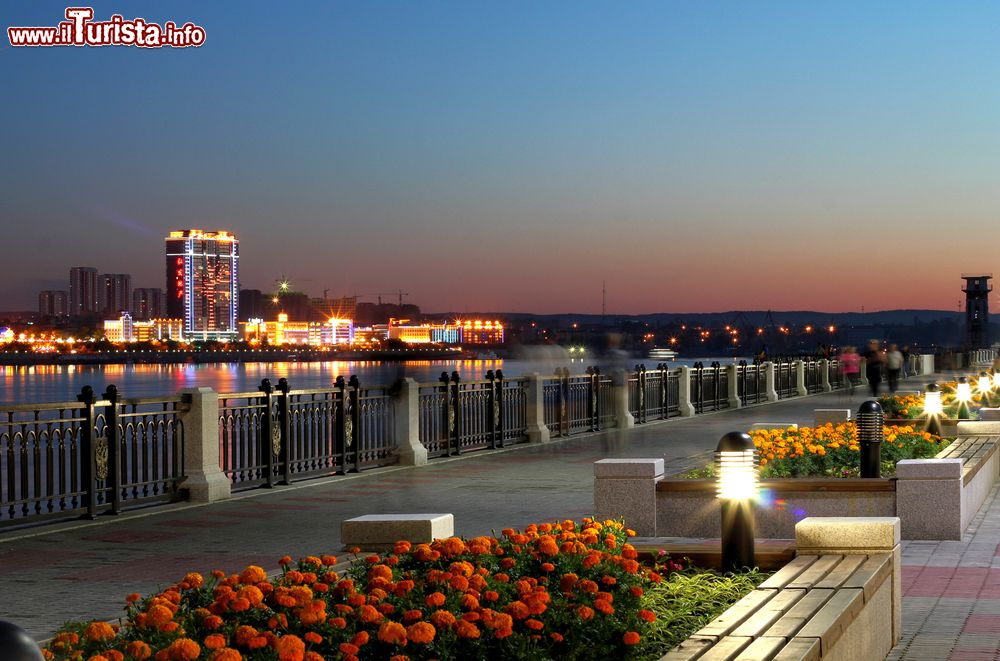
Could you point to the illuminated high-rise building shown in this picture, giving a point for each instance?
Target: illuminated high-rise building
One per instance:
(147, 303)
(82, 291)
(203, 283)
(114, 293)
(53, 303)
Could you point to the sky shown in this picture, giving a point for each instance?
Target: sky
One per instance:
(513, 156)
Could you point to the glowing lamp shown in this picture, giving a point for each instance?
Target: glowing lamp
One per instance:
(996, 379)
(736, 464)
(870, 434)
(963, 391)
(985, 383)
(932, 400)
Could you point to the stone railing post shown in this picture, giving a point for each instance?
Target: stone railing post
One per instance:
(535, 411)
(619, 393)
(769, 390)
(800, 377)
(407, 415)
(684, 392)
(733, 386)
(861, 535)
(824, 375)
(203, 477)
(626, 488)
(927, 363)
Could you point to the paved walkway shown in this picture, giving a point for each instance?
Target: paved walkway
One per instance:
(83, 569)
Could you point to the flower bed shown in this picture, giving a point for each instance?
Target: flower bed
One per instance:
(830, 451)
(563, 590)
(911, 407)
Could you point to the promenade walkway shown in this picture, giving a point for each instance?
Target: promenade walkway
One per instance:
(84, 569)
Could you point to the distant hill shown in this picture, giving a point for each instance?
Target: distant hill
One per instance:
(752, 317)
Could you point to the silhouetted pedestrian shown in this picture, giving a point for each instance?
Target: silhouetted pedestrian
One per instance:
(893, 366)
(873, 366)
(850, 365)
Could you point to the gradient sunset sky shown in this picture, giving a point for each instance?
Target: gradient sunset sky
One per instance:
(512, 155)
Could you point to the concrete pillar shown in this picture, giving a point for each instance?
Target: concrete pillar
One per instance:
(861, 535)
(626, 488)
(929, 498)
(203, 477)
(732, 379)
(684, 392)
(536, 430)
(800, 377)
(619, 392)
(769, 390)
(407, 415)
(824, 366)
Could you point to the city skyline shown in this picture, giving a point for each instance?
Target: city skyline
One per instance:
(512, 158)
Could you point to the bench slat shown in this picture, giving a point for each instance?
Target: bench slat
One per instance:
(727, 649)
(816, 572)
(787, 574)
(841, 572)
(833, 618)
(789, 624)
(769, 613)
(690, 649)
(737, 613)
(870, 574)
(799, 649)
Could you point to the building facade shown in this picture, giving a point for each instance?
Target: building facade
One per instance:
(977, 309)
(148, 303)
(53, 303)
(119, 330)
(83, 291)
(114, 293)
(203, 283)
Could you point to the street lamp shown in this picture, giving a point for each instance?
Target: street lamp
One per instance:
(985, 385)
(736, 461)
(870, 435)
(963, 393)
(933, 408)
(16, 644)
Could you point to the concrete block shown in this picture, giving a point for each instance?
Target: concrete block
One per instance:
(930, 508)
(628, 468)
(862, 534)
(377, 532)
(773, 425)
(988, 414)
(833, 416)
(979, 428)
(928, 469)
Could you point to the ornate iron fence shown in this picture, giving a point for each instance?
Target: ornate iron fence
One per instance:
(785, 379)
(835, 374)
(709, 387)
(653, 394)
(87, 457)
(577, 403)
(751, 383)
(813, 371)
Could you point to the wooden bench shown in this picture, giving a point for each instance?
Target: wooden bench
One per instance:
(804, 612)
(974, 451)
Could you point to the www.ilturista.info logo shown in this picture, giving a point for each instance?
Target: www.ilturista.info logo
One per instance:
(79, 29)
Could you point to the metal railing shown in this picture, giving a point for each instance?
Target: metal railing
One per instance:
(785, 379)
(576, 403)
(813, 372)
(709, 387)
(458, 416)
(87, 457)
(653, 394)
(751, 383)
(835, 374)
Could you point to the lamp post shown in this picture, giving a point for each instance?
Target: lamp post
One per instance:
(870, 435)
(933, 408)
(963, 393)
(985, 386)
(736, 461)
(16, 644)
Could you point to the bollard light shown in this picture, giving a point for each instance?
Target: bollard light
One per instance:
(963, 393)
(985, 384)
(870, 435)
(996, 379)
(16, 644)
(736, 463)
(933, 408)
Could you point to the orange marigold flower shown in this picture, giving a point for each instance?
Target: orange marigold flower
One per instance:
(285, 560)
(533, 624)
(442, 619)
(291, 648)
(585, 612)
(227, 654)
(547, 546)
(630, 638)
(138, 650)
(313, 637)
(183, 649)
(252, 594)
(337, 622)
(647, 615)
(215, 641)
(466, 629)
(392, 633)
(434, 599)
(115, 655)
(348, 648)
(604, 606)
(98, 657)
(194, 579)
(421, 632)
(98, 632)
(401, 547)
(158, 615)
(253, 574)
(360, 638)
(132, 598)
(244, 634)
(369, 614)
(469, 602)
(314, 656)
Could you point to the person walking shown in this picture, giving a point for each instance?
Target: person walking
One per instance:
(906, 360)
(873, 366)
(893, 366)
(850, 365)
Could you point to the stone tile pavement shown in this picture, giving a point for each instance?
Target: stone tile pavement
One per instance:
(83, 569)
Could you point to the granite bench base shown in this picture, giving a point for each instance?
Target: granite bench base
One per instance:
(379, 532)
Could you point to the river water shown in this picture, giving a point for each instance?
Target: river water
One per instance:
(59, 383)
